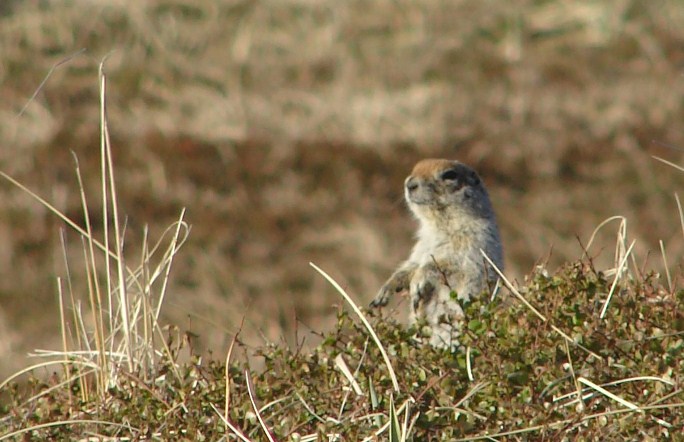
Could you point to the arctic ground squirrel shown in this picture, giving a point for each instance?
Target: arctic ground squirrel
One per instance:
(446, 267)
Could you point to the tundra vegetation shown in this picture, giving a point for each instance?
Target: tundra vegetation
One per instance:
(281, 133)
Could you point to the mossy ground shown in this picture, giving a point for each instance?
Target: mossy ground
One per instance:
(524, 386)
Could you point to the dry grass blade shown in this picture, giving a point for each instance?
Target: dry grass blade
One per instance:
(63, 327)
(618, 274)
(148, 358)
(229, 355)
(666, 265)
(252, 399)
(84, 234)
(56, 211)
(108, 171)
(497, 436)
(617, 382)
(105, 215)
(39, 365)
(361, 316)
(171, 253)
(405, 427)
(564, 422)
(622, 228)
(61, 386)
(79, 342)
(578, 389)
(94, 293)
(681, 212)
(311, 410)
(344, 368)
(669, 163)
(620, 244)
(608, 394)
(343, 403)
(471, 393)
(642, 378)
(232, 427)
(469, 368)
(65, 423)
(47, 77)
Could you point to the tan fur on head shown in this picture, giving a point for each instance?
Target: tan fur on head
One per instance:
(431, 167)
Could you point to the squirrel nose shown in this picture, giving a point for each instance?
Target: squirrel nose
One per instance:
(411, 184)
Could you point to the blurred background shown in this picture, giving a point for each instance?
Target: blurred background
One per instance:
(286, 128)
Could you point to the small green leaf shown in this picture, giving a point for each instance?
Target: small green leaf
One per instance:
(476, 326)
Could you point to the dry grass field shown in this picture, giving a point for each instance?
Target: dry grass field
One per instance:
(286, 128)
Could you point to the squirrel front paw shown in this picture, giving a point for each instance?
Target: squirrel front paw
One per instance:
(398, 283)
(382, 298)
(422, 292)
(424, 286)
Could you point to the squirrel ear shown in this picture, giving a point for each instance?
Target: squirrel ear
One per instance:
(473, 179)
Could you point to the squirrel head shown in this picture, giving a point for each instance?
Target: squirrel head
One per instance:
(444, 192)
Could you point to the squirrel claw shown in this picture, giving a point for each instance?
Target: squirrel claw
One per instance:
(381, 299)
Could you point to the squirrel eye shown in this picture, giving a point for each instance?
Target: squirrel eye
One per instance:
(449, 175)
